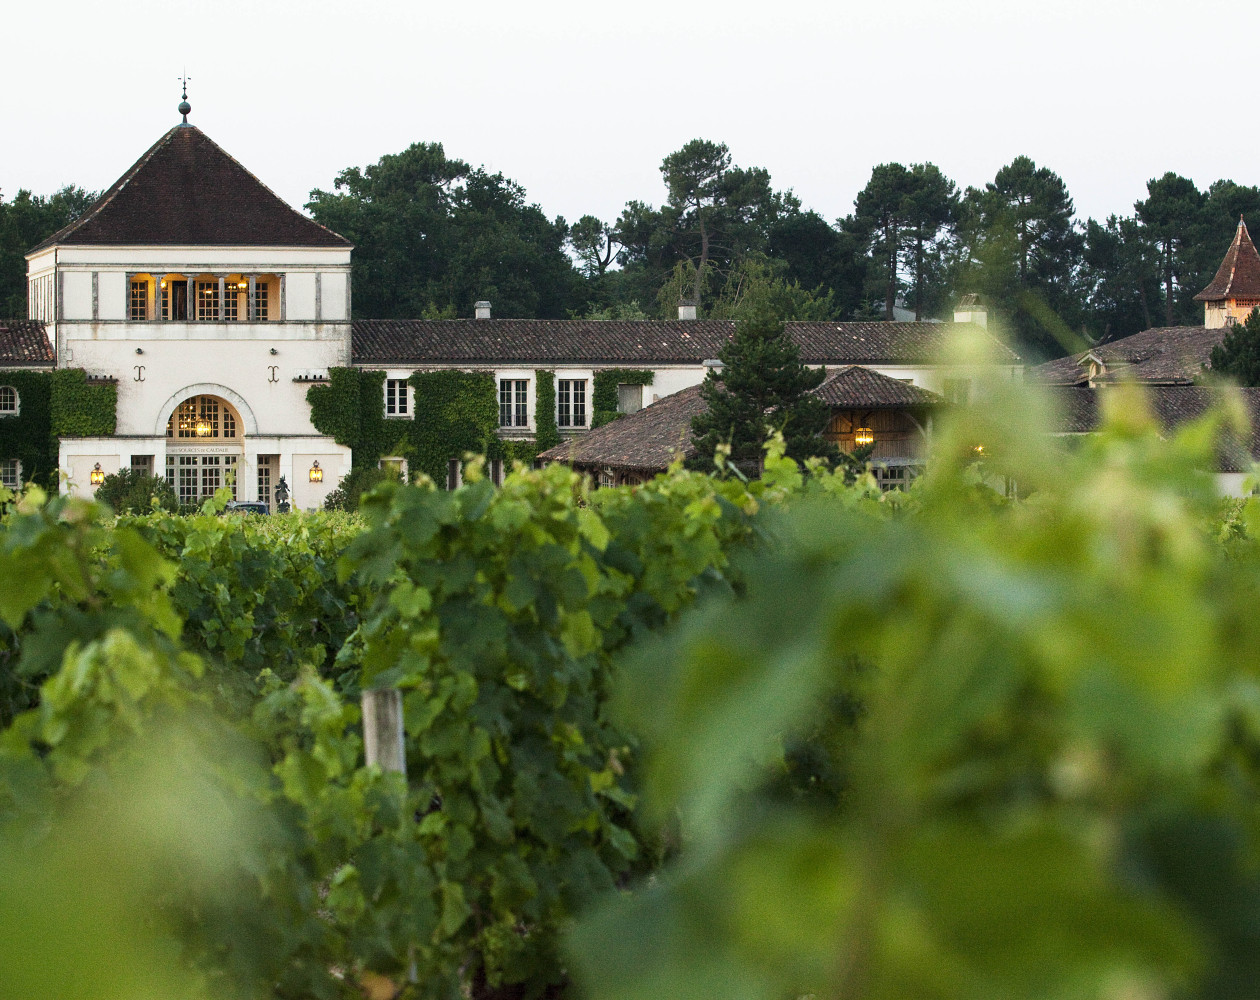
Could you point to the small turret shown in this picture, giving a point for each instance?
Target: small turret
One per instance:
(1235, 291)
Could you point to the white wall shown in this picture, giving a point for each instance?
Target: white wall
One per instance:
(332, 295)
(299, 295)
(76, 294)
(112, 294)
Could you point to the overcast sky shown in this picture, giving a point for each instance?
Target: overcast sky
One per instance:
(579, 101)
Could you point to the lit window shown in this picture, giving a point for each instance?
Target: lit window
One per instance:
(202, 417)
(207, 300)
(8, 401)
(234, 289)
(571, 402)
(10, 473)
(174, 298)
(395, 397)
(260, 301)
(139, 302)
(513, 397)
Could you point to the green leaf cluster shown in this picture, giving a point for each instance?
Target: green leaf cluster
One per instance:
(604, 400)
(79, 408)
(455, 412)
(546, 433)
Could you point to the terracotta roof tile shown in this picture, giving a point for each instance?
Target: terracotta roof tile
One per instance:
(1163, 355)
(24, 343)
(1239, 274)
(854, 387)
(187, 191)
(645, 441)
(554, 341)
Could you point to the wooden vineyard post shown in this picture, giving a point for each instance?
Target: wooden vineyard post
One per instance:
(385, 746)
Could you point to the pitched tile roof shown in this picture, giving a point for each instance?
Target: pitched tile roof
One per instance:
(1239, 274)
(187, 191)
(1163, 355)
(647, 440)
(1172, 405)
(555, 341)
(24, 342)
(854, 387)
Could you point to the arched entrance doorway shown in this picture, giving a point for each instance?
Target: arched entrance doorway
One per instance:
(205, 441)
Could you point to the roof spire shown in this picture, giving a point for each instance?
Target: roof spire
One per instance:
(184, 106)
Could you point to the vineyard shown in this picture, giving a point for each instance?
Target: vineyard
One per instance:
(997, 736)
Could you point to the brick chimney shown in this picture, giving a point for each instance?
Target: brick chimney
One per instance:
(481, 310)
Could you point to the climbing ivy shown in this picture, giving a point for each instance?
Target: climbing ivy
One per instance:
(604, 393)
(546, 435)
(455, 412)
(28, 436)
(351, 410)
(79, 408)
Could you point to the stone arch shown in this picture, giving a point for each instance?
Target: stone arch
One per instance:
(248, 419)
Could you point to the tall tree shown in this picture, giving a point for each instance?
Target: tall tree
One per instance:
(1021, 250)
(594, 243)
(1120, 275)
(1172, 215)
(694, 176)
(433, 235)
(880, 216)
(761, 389)
(929, 210)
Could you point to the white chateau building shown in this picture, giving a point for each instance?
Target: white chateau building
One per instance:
(213, 307)
(212, 303)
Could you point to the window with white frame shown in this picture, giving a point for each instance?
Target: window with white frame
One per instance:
(138, 303)
(513, 402)
(571, 402)
(395, 397)
(9, 402)
(395, 466)
(10, 473)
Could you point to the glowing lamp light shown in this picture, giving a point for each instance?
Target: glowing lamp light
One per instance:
(317, 474)
(242, 284)
(163, 282)
(978, 451)
(202, 428)
(98, 475)
(863, 436)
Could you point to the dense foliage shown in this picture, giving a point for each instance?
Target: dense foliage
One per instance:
(1237, 356)
(24, 222)
(129, 491)
(702, 737)
(28, 435)
(762, 389)
(604, 400)
(80, 407)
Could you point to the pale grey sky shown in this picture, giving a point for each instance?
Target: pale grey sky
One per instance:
(579, 101)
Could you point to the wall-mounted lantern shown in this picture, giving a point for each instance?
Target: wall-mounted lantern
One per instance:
(863, 436)
(98, 475)
(317, 474)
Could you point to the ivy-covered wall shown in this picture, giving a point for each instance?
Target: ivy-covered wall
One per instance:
(28, 436)
(604, 403)
(351, 410)
(79, 408)
(455, 412)
(546, 434)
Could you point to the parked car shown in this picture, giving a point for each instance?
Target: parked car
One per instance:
(246, 507)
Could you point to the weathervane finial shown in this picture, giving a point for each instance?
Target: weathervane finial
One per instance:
(184, 106)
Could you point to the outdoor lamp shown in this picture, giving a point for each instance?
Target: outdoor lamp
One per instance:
(317, 474)
(98, 476)
(863, 436)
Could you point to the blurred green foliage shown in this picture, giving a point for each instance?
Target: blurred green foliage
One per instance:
(993, 737)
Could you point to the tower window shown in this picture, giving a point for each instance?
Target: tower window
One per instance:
(260, 301)
(138, 304)
(207, 300)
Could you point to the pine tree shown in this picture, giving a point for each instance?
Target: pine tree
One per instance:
(1238, 355)
(762, 388)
